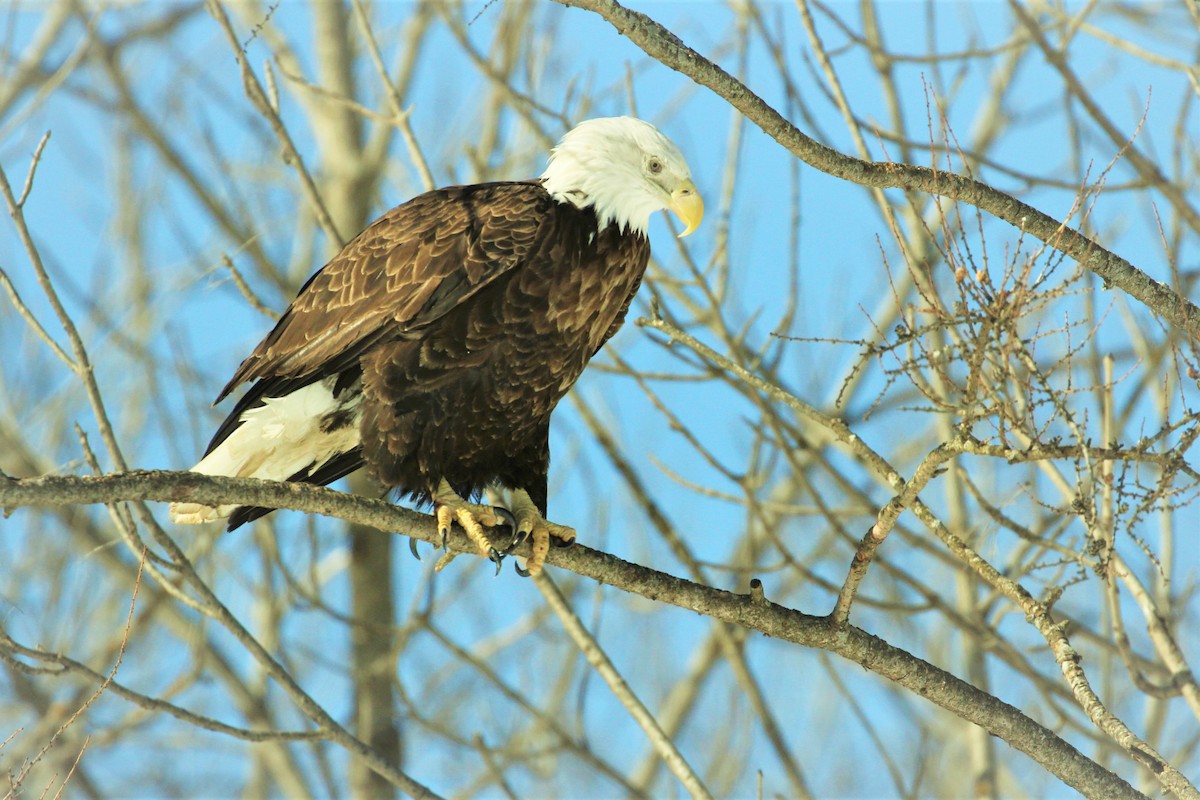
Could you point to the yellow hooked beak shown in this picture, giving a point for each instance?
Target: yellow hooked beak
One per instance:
(687, 205)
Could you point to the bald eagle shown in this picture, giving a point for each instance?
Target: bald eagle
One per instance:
(434, 347)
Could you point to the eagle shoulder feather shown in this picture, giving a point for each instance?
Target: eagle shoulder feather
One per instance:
(407, 269)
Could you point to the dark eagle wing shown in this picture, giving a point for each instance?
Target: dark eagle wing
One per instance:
(407, 269)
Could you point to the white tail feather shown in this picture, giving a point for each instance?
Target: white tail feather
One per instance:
(274, 442)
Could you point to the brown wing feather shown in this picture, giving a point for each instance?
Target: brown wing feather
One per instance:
(408, 268)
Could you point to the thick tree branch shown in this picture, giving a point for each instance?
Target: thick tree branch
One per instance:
(666, 48)
(161, 485)
(964, 700)
(1038, 613)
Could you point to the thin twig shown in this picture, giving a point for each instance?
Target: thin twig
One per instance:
(665, 47)
(258, 97)
(600, 662)
(253, 299)
(81, 362)
(940, 687)
(9, 648)
(400, 115)
(1038, 613)
(104, 684)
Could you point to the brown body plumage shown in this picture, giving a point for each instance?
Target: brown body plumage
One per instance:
(434, 347)
(462, 317)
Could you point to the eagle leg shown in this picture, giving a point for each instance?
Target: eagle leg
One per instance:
(451, 508)
(531, 523)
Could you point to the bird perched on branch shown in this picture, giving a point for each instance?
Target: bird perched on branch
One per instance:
(434, 347)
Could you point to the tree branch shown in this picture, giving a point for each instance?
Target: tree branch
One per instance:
(162, 485)
(666, 48)
(962, 699)
(608, 672)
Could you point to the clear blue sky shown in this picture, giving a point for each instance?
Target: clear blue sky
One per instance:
(838, 245)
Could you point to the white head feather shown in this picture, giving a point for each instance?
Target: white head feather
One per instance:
(624, 169)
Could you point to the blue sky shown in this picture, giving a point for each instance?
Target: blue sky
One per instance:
(201, 327)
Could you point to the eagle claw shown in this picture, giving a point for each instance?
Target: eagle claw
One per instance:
(519, 537)
(532, 525)
(496, 556)
(524, 519)
(507, 517)
(450, 508)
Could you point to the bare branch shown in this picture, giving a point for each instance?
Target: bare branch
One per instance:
(957, 696)
(665, 47)
(600, 662)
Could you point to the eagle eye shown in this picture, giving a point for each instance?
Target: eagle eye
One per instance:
(655, 166)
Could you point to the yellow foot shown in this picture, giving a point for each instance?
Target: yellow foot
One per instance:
(531, 523)
(451, 508)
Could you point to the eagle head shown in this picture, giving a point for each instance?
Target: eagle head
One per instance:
(624, 169)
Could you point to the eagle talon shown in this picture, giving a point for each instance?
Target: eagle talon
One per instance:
(524, 519)
(518, 539)
(412, 548)
(524, 573)
(532, 525)
(472, 518)
(507, 517)
(445, 518)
